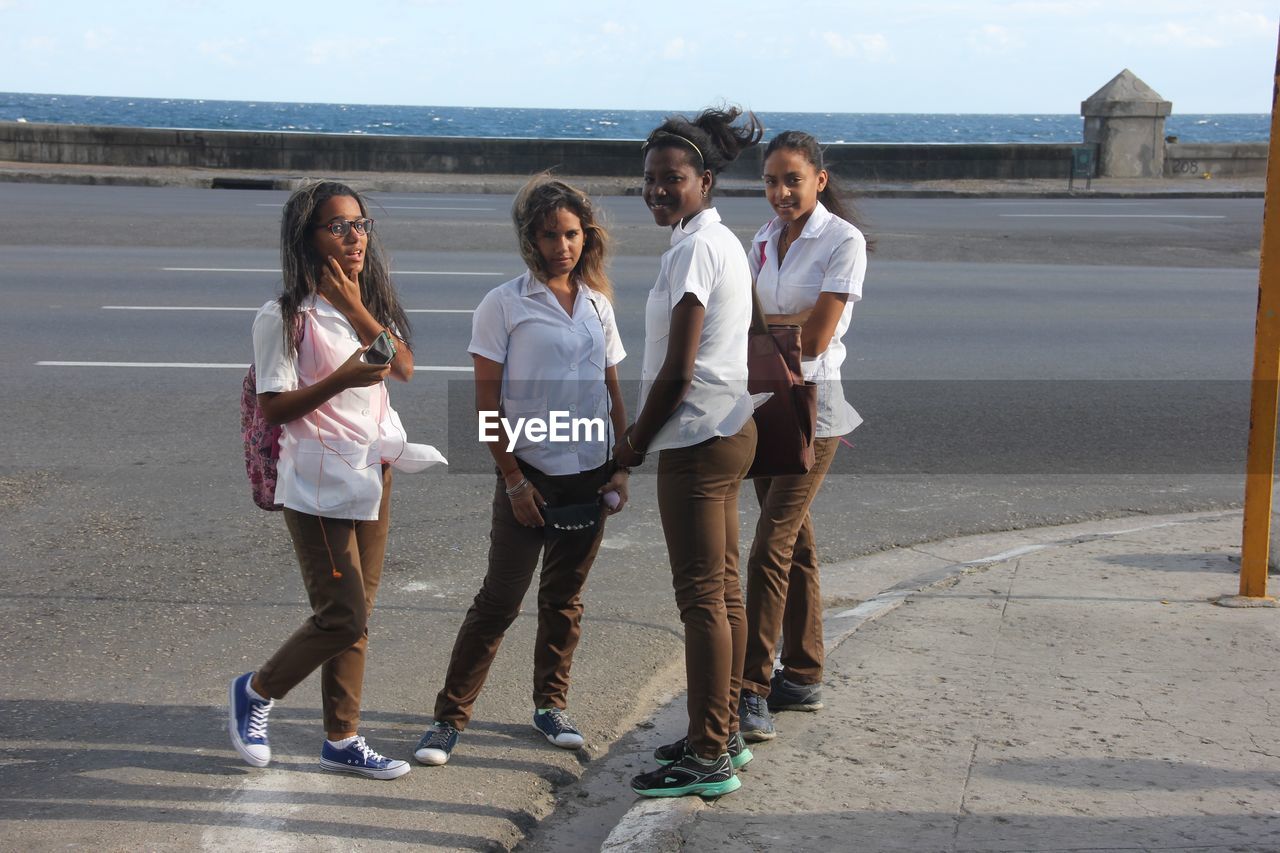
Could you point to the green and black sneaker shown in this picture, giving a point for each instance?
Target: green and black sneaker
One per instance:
(689, 775)
(739, 754)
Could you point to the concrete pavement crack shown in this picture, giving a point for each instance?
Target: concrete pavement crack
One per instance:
(963, 809)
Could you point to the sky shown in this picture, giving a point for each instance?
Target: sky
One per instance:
(884, 56)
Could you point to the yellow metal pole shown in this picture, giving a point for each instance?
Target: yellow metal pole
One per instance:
(1266, 375)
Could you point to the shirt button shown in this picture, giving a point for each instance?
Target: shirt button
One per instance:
(572, 407)
(364, 412)
(573, 367)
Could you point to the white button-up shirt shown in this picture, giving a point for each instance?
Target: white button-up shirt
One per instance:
(330, 458)
(830, 255)
(552, 362)
(707, 260)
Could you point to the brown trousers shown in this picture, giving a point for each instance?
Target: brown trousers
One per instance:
(783, 589)
(513, 557)
(698, 501)
(336, 635)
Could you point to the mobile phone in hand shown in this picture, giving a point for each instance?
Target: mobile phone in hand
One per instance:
(382, 350)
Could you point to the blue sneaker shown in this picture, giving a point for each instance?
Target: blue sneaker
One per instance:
(555, 726)
(739, 753)
(356, 757)
(437, 744)
(786, 695)
(754, 722)
(248, 722)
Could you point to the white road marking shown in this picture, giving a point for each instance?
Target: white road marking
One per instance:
(171, 308)
(1107, 216)
(415, 207)
(1048, 202)
(233, 308)
(216, 269)
(1007, 555)
(398, 207)
(256, 269)
(199, 365)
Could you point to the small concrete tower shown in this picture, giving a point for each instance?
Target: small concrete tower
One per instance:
(1125, 119)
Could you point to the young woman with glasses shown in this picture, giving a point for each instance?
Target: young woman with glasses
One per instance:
(340, 438)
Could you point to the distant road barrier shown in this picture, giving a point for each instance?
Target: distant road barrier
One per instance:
(332, 153)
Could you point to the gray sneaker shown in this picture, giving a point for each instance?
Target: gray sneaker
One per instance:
(754, 722)
(785, 695)
(436, 744)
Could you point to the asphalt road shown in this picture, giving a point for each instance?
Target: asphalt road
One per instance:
(1017, 362)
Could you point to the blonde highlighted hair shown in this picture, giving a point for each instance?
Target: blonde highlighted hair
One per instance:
(541, 197)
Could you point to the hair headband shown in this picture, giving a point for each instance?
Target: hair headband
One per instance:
(657, 134)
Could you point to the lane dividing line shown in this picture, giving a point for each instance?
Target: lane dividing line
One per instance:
(276, 270)
(403, 207)
(199, 365)
(228, 308)
(1107, 216)
(1066, 201)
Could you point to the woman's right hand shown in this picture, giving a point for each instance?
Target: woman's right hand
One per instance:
(355, 372)
(527, 504)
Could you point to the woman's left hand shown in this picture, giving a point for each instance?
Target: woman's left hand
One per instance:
(342, 292)
(618, 485)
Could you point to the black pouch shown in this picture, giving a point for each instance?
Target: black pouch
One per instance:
(572, 518)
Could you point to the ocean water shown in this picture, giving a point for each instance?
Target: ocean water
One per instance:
(580, 124)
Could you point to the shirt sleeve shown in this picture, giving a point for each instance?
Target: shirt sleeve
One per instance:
(276, 370)
(613, 351)
(847, 267)
(753, 258)
(692, 270)
(489, 332)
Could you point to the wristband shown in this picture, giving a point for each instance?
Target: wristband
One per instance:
(518, 487)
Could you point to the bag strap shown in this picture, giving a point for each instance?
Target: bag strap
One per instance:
(758, 324)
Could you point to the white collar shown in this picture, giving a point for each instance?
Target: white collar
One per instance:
(704, 218)
(531, 284)
(813, 226)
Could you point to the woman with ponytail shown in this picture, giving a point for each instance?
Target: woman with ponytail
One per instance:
(695, 414)
(808, 263)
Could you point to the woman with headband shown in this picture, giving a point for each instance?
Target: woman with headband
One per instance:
(695, 415)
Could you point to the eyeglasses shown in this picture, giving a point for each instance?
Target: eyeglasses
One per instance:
(340, 227)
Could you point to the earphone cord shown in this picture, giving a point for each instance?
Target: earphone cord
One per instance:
(608, 398)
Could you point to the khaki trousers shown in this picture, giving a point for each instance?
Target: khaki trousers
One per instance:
(513, 557)
(783, 588)
(698, 501)
(336, 636)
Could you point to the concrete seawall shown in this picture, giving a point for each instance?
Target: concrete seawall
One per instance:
(320, 153)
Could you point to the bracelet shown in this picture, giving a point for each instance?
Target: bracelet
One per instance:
(518, 487)
(639, 453)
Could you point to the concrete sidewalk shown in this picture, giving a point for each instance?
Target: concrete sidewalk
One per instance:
(161, 176)
(1061, 689)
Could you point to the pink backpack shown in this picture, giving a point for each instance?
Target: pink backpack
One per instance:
(261, 442)
(261, 445)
